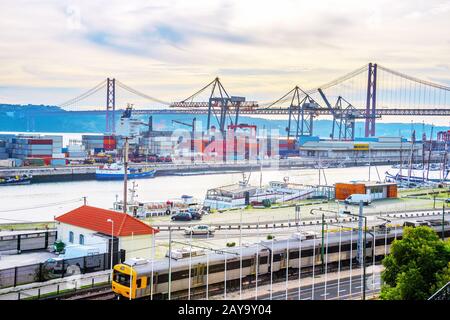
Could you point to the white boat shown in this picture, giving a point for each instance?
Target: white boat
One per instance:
(116, 171)
(145, 209)
(418, 176)
(234, 196)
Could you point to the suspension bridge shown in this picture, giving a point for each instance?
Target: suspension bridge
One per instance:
(366, 93)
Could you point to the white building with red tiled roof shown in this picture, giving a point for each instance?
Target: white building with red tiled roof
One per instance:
(93, 226)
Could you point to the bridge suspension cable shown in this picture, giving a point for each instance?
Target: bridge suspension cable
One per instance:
(340, 79)
(85, 95)
(143, 95)
(335, 82)
(284, 98)
(424, 82)
(199, 91)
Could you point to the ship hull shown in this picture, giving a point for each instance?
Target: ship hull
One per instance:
(120, 176)
(418, 176)
(15, 183)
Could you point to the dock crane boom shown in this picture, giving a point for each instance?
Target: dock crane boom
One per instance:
(331, 109)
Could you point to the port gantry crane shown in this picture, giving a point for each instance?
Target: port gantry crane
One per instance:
(344, 117)
(220, 105)
(302, 110)
(191, 125)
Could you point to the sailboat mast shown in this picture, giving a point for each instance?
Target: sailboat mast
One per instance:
(429, 151)
(411, 157)
(401, 156)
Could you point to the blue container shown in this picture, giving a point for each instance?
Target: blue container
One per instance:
(58, 162)
(303, 139)
(368, 139)
(64, 150)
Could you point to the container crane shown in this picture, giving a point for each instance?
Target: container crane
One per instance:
(191, 125)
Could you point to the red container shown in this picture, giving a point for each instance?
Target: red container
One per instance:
(40, 141)
(109, 143)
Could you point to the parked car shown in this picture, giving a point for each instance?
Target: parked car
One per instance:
(196, 215)
(200, 229)
(182, 216)
(447, 200)
(356, 198)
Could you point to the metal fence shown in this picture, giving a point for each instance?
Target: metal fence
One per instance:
(27, 241)
(45, 271)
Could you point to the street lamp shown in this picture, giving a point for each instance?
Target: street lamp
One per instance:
(364, 247)
(112, 240)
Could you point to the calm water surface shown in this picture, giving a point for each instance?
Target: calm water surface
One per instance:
(41, 202)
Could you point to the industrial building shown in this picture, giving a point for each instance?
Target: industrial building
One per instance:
(377, 190)
(386, 148)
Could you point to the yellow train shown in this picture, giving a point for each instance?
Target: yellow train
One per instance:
(134, 276)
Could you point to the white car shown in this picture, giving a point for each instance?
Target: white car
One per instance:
(356, 198)
(199, 229)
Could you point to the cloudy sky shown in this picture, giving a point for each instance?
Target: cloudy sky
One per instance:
(50, 51)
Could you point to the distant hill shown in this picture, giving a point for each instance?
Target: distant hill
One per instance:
(27, 108)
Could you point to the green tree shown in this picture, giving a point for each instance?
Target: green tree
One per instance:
(417, 265)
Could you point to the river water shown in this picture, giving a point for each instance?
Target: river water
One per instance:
(44, 201)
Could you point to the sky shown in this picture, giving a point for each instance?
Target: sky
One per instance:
(53, 50)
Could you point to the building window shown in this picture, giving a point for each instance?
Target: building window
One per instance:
(81, 239)
(71, 237)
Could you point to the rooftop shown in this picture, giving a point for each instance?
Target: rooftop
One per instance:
(96, 219)
(370, 183)
(235, 188)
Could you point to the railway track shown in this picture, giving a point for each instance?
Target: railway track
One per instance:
(100, 295)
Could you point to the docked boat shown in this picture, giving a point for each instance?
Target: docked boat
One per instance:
(418, 176)
(238, 195)
(15, 180)
(116, 171)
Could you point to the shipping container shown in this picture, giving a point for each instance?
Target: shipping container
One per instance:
(34, 162)
(58, 162)
(58, 155)
(40, 141)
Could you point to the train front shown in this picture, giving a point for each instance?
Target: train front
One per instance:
(124, 281)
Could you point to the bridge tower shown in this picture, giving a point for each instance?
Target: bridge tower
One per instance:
(110, 106)
(371, 100)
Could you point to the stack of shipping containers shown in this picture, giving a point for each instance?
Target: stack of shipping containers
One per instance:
(35, 151)
(3, 153)
(161, 146)
(287, 147)
(57, 146)
(93, 143)
(77, 152)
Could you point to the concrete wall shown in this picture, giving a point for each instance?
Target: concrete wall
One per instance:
(90, 239)
(137, 246)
